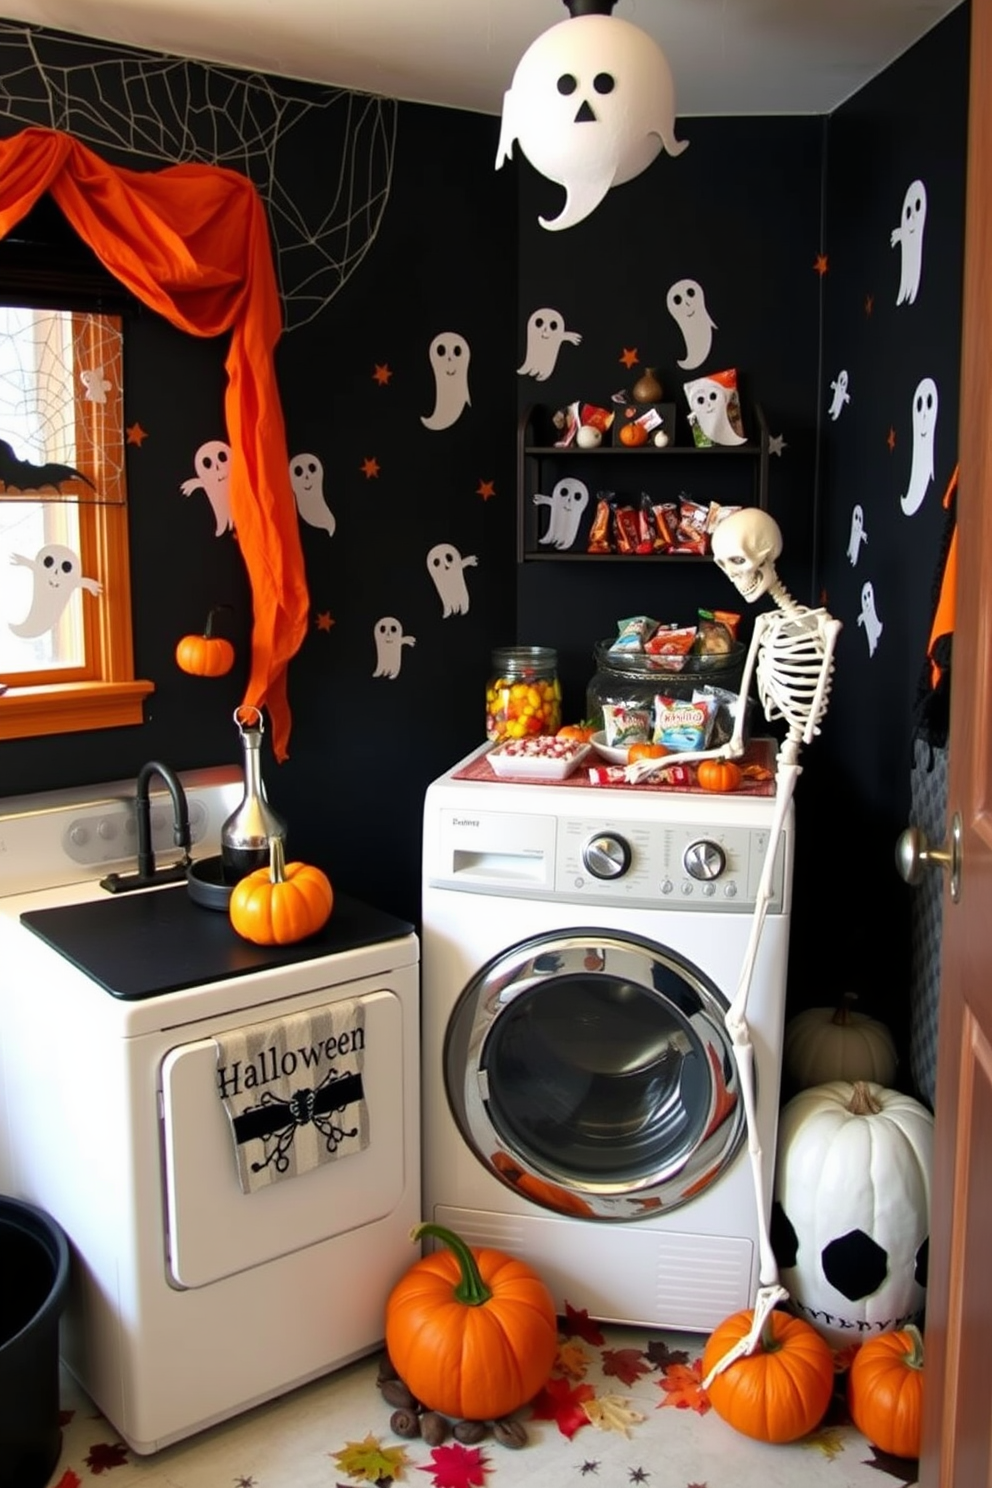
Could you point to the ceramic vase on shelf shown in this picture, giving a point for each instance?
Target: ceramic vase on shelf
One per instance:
(648, 388)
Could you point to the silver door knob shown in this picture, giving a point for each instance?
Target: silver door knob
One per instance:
(914, 855)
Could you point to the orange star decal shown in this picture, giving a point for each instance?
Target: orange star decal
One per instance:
(869, 303)
(891, 440)
(821, 264)
(324, 621)
(383, 372)
(135, 434)
(370, 468)
(629, 356)
(486, 489)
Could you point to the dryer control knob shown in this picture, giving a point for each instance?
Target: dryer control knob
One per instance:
(704, 860)
(606, 856)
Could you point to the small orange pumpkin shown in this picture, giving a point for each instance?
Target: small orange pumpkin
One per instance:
(885, 1391)
(633, 434)
(645, 751)
(472, 1333)
(719, 775)
(283, 903)
(579, 733)
(782, 1390)
(206, 655)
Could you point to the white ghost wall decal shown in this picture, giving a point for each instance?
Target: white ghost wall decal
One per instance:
(446, 567)
(306, 476)
(908, 236)
(687, 306)
(591, 104)
(57, 575)
(450, 355)
(545, 334)
(925, 403)
(212, 463)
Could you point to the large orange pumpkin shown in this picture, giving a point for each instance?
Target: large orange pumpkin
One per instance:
(885, 1391)
(283, 903)
(472, 1333)
(782, 1390)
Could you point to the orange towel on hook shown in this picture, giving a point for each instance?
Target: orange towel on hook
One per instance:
(192, 242)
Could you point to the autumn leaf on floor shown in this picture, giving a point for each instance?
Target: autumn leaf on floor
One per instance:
(828, 1440)
(105, 1456)
(369, 1461)
(456, 1466)
(661, 1355)
(582, 1324)
(612, 1413)
(626, 1365)
(682, 1386)
(571, 1359)
(558, 1402)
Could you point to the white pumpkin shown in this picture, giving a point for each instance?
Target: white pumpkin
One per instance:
(851, 1215)
(824, 1044)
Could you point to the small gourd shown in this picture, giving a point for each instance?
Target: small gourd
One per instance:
(779, 1392)
(718, 775)
(206, 655)
(282, 903)
(823, 1044)
(472, 1333)
(885, 1391)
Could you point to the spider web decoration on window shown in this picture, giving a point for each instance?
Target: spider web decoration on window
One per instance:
(51, 363)
(124, 102)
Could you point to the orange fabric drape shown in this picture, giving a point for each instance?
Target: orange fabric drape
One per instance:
(944, 615)
(192, 242)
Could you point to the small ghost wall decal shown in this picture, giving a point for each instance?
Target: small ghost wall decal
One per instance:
(306, 476)
(449, 357)
(57, 574)
(446, 567)
(908, 237)
(840, 395)
(545, 334)
(687, 307)
(389, 642)
(567, 501)
(591, 104)
(925, 403)
(869, 618)
(212, 463)
(97, 386)
(858, 534)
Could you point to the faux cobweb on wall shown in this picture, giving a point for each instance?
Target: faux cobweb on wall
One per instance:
(124, 102)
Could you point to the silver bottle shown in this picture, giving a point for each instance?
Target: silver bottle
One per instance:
(244, 837)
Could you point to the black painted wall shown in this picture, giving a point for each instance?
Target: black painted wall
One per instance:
(747, 211)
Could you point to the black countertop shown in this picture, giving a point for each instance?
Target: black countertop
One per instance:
(143, 945)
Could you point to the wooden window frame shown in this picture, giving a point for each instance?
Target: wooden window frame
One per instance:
(103, 692)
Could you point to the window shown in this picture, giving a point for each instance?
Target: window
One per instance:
(66, 659)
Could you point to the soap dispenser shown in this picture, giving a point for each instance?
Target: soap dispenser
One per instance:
(244, 837)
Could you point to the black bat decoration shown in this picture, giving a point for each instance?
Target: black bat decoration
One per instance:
(21, 475)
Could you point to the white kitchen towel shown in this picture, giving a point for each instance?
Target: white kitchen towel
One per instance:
(293, 1092)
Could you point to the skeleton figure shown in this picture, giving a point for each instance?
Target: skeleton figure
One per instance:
(791, 658)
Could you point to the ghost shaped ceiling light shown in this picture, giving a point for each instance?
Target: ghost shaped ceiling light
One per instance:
(591, 104)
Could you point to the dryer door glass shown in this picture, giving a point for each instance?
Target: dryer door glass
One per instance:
(592, 1071)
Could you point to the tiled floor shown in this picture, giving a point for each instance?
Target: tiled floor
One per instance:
(623, 1407)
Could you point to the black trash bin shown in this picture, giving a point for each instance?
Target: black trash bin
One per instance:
(34, 1277)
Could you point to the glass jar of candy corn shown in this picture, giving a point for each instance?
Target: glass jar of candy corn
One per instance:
(523, 694)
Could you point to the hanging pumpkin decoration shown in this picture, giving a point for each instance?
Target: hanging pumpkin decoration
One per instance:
(823, 1044)
(851, 1213)
(885, 1391)
(283, 903)
(206, 655)
(472, 1333)
(718, 775)
(779, 1392)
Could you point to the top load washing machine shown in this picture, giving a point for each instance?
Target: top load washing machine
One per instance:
(126, 1021)
(581, 945)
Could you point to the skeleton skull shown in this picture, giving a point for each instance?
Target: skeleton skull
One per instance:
(745, 546)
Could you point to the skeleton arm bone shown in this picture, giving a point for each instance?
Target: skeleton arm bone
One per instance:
(831, 630)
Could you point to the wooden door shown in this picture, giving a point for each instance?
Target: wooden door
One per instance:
(957, 1432)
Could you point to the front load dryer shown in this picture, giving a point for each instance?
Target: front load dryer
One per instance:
(581, 1103)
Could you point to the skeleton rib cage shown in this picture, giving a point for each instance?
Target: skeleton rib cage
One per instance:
(789, 668)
